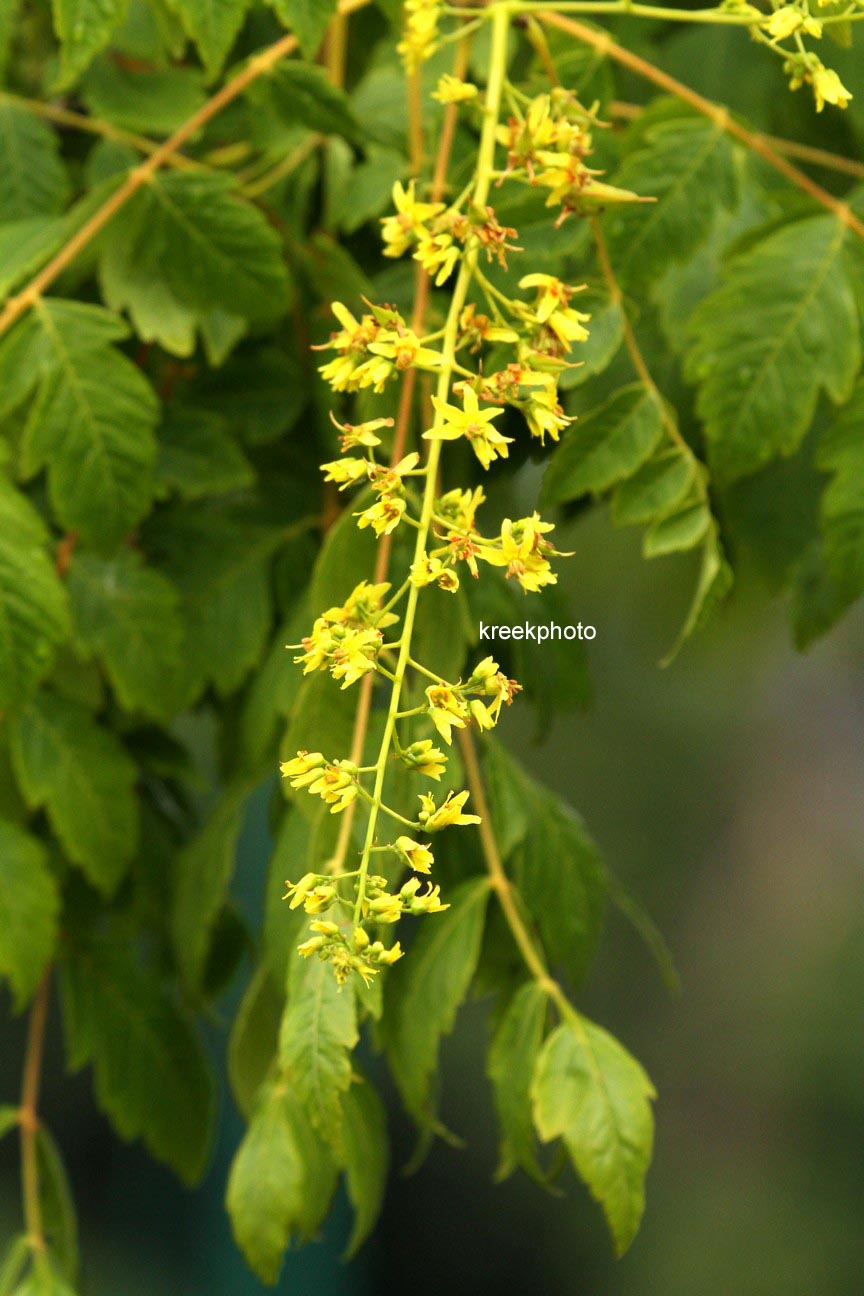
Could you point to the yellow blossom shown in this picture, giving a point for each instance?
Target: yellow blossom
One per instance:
(522, 550)
(418, 856)
(425, 758)
(405, 350)
(385, 908)
(387, 957)
(419, 39)
(403, 229)
(553, 309)
(471, 422)
(828, 88)
(384, 515)
(298, 891)
(360, 434)
(302, 769)
(449, 812)
(419, 902)
(346, 472)
(451, 90)
(438, 255)
(447, 710)
(430, 571)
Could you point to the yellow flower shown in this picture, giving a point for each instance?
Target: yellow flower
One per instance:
(828, 88)
(481, 715)
(384, 516)
(298, 891)
(385, 908)
(387, 957)
(430, 571)
(345, 471)
(418, 901)
(419, 40)
(360, 434)
(336, 785)
(450, 812)
(438, 255)
(403, 229)
(303, 768)
(320, 899)
(471, 422)
(553, 309)
(522, 550)
(355, 655)
(405, 350)
(425, 758)
(451, 90)
(446, 710)
(418, 856)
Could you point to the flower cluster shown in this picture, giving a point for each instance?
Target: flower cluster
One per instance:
(373, 349)
(346, 640)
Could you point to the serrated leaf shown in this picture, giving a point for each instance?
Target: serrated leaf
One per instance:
(152, 100)
(25, 245)
(302, 95)
(204, 869)
(91, 422)
(254, 1038)
(197, 457)
(281, 1182)
(714, 582)
(364, 1140)
(654, 490)
(512, 1060)
(34, 611)
(151, 1075)
(781, 328)
(283, 926)
(213, 25)
(688, 165)
(29, 910)
(78, 772)
(33, 180)
(220, 561)
(422, 1001)
(127, 615)
(190, 242)
(307, 19)
(318, 1032)
(589, 1091)
(841, 452)
(83, 27)
(602, 447)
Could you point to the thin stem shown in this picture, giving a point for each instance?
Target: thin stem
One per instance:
(256, 67)
(485, 160)
(758, 144)
(718, 17)
(29, 1119)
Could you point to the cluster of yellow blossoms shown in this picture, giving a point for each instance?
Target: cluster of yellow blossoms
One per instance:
(497, 354)
(802, 66)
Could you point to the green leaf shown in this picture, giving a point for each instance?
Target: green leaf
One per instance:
(79, 773)
(281, 1181)
(13, 1264)
(33, 180)
(91, 423)
(714, 582)
(783, 326)
(272, 693)
(254, 1038)
(127, 615)
(29, 909)
(154, 101)
(512, 1060)
(58, 1206)
(602, 447)
(213, 25)
(34, 613)
(555, 865)
(589, 1091)
(204, 869)
(654, 490)
(364, 1140)
(598, 350)
(841, 452)
(679, 530)
(83, 27)
(422, 1001)
(197, 457)
(151, 1074)
(9, 1118)
(195, 243)
(688, 165)
(307, 19)
(25, 245)
(220, 560)
(283, 926)
(318, 1032)
(302, 95)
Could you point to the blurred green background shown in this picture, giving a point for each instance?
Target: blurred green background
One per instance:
(728, 792)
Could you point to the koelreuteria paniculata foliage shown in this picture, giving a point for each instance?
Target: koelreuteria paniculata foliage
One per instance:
(281, 325)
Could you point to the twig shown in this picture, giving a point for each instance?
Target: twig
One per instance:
(28, 1118)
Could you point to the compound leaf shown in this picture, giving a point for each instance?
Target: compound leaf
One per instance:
(364, 1140)
(33, 180)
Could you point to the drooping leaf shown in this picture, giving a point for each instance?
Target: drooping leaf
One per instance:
(203, 871)
(422, 1002)
(34, 614)
(654, 490)
(687, 164)
(589, 1091)
(80, 774)
(213, 25)
(713, 584)
(307, 19)
(127, 615)
(29, 909)
(33, 180)
(318, 1032)
(841, 452)
(603, 447)
(254, 1038)
(364, 1140)
(281, 1181)
(58, 1206)
(780, 329)
(151, 1075)
(91, 423)
(512, 1060)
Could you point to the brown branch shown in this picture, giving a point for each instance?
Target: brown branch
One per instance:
(256, 67)
(28, 1117)
(758, 144)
